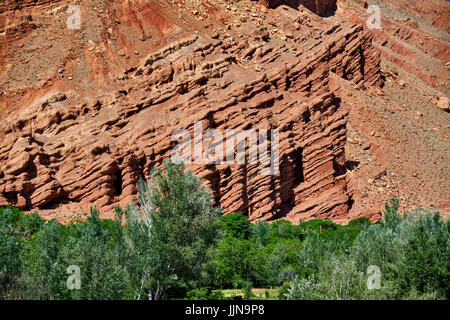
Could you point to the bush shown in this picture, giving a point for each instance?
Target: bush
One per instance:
(247, 290)
(338, 279)
(299, 289)
(425, 264)
(31, 223)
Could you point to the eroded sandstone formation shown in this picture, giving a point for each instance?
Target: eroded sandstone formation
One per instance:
(255, 68)
(414, 37)
(321, 7)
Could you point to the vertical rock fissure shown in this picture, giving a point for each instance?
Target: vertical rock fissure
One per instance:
(118, 182)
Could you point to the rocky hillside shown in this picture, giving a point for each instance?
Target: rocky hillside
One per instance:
(85, 113)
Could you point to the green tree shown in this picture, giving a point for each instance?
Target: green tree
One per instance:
(10, 246)
(178, 227)
(42, 276)
(283, 229)
(425, 265)
(236, 225)
(280, 259)
(237, 261)
(261, 232)
(96, 246)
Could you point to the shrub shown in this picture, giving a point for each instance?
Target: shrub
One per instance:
(247, 287)
(299, 289)
(31, 223)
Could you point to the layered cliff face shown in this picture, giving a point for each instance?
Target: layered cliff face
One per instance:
(413, 37)
(399, 136)
(88, 113)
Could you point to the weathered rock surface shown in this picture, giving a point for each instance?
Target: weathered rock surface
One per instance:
(77, 128)
(405, 122)
(413, 37)
(251, 69)
(85, 113)
(443, 104)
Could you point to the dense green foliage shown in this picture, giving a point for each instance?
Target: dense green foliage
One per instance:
(175, 245)
(411, 252)
(164, 244)
(236, 225)
(172, 233)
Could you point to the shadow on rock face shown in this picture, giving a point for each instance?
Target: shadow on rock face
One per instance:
(324, 8)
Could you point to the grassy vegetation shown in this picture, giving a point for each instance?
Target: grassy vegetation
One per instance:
(176, 245)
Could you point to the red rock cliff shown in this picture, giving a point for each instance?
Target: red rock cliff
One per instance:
(104, 117)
